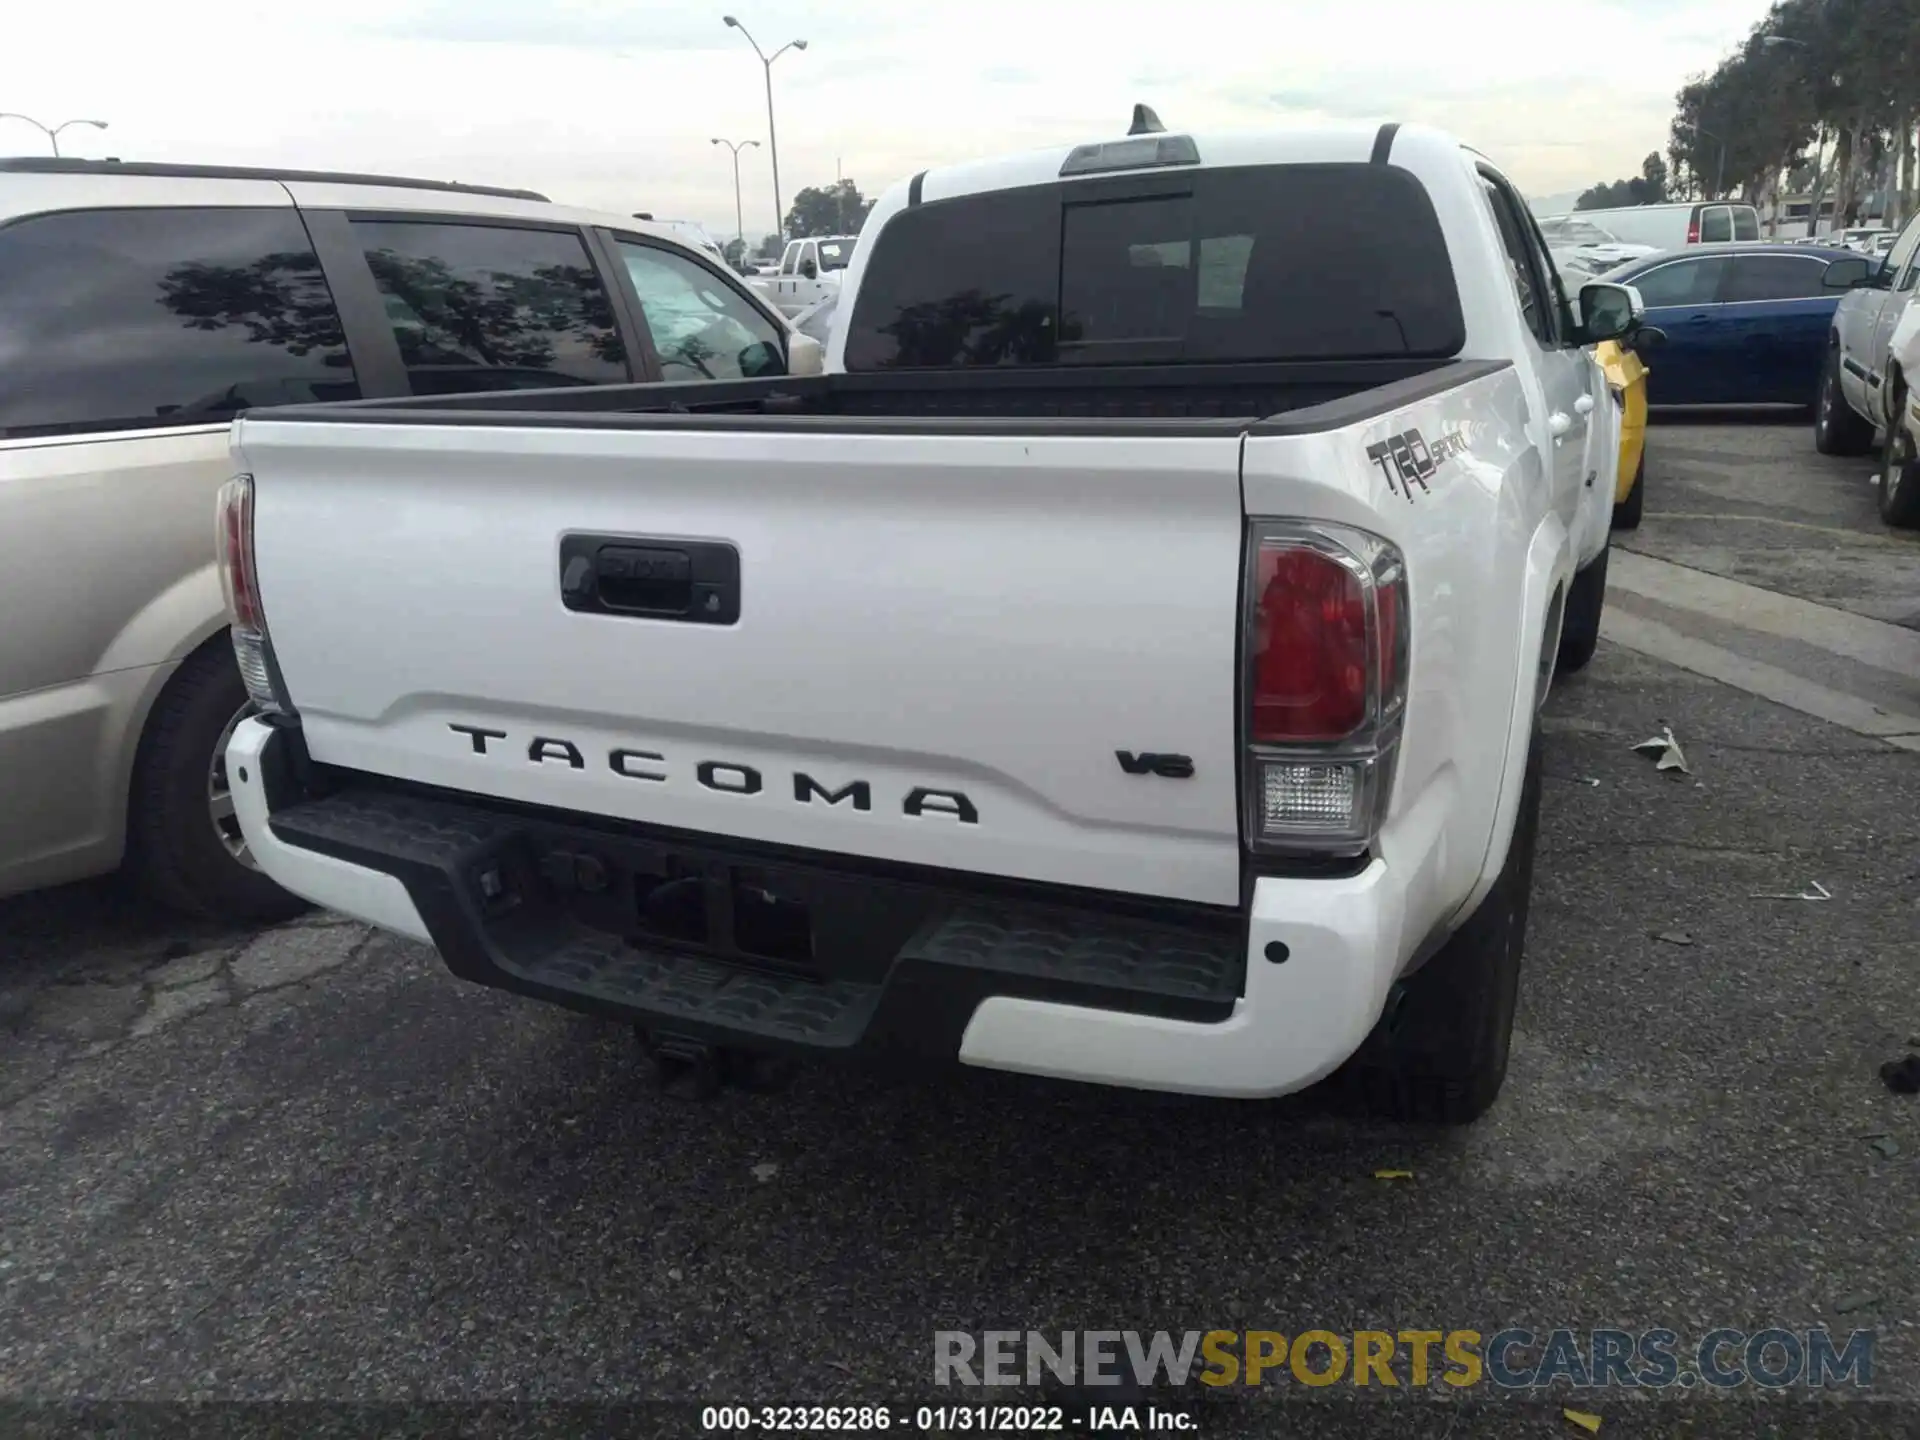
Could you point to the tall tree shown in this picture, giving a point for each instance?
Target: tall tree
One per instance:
(837, 209)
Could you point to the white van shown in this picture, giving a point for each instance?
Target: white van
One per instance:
(1670, 227)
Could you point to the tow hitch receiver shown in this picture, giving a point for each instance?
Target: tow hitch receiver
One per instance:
(692, 1069)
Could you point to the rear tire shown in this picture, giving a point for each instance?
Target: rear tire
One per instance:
(1580, 627)
(1439, 1053)
(1899, 464)
(1837, 430)
(1626, 515)
(176, 845)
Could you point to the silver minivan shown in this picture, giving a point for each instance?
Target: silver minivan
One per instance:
(1671, 226)
(141, 308)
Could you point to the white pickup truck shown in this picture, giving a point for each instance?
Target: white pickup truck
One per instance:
(1864, 387)
(810, 271)
(1121, 664)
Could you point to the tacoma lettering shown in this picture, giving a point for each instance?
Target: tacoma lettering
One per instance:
(730, 777)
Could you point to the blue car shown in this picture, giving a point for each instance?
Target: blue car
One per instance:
(1745, 324)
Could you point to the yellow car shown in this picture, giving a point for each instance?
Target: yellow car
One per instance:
(1627, 379)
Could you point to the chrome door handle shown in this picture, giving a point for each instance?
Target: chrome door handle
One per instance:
(1583, 406)
(1558, 424)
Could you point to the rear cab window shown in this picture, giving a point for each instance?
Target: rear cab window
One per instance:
(1254, 263)
(135, 318)
(492, 307)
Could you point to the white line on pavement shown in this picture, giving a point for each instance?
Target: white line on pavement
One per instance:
(1663, 642)
(1872, 642)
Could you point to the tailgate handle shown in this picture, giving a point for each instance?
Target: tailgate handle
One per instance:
(695, 582)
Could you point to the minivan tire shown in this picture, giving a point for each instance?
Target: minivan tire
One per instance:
(1439, 1052)
(173, 848)
(1580, 625)
(1837, 429)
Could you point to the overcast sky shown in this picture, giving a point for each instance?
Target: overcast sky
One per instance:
(613, 105)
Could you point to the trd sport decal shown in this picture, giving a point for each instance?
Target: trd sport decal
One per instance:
(1407, 459)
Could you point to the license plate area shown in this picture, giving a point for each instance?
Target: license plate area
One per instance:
(791, 918)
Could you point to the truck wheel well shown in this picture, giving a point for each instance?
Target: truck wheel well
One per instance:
(1550, 644)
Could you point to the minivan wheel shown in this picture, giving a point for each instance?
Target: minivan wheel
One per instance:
(1837, 430)
(1899, 465)
(184, 842)
(1439, 1052)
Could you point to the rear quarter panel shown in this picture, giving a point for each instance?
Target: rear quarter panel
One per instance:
(1484, 550)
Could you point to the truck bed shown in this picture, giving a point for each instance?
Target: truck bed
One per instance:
(1166, 399)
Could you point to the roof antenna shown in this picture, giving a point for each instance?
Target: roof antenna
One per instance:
(1145, 122)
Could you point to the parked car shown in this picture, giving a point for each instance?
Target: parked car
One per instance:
(1744, 324)
(1864, 384)
(1070, 681)
(1673, 226)
(1900, 465)
(1864, 238)
(1626, 375)
(1583, 249)
(141, 308)
(809, 270)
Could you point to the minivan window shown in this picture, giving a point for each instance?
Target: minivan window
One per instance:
(1716, 225)
(493, 307)
(124, 319)
(1288, 262)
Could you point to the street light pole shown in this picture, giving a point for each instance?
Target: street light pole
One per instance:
(1720, 170)
(739, 216)
(773, 140)
(52, 132)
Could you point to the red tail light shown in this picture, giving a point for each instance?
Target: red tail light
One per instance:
(1309, 648)
(235, 547)
(1326, 679)
(1693, 231)
(246, 617)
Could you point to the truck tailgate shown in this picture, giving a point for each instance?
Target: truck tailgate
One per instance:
(947, 648)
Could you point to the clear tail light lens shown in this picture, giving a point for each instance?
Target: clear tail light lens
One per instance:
(1326, 676)
(246, 617)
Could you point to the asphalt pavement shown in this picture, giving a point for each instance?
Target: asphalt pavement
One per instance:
(310, 1165)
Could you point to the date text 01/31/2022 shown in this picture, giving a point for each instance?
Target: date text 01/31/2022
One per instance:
(939, 1419)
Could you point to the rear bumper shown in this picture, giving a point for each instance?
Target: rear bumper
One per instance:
(1032, 979)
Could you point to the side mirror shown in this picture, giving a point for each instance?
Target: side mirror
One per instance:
(805, 355)
(809, 270)
(1646, 337)
(1845, 274)
(763, 357)
(1880, 279)
(1609, 311)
